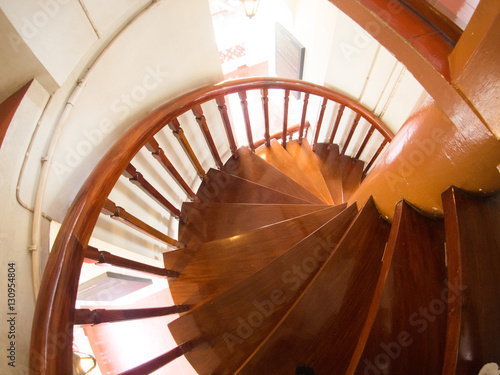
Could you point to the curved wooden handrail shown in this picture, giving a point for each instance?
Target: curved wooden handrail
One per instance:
(52, 334)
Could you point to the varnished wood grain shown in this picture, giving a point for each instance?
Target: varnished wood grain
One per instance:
(202, 121)
(329, 164)
(322, 328)
(250, 167)
(352, 172)
(210, 221)
(306, 161)
(279, 158)
(407, 326)
(227, 328)
(351, 133)
(473, 239)
(223, 187)
(210, 268)
(98, 316)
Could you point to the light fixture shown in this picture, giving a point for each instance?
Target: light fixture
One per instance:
(250, 7)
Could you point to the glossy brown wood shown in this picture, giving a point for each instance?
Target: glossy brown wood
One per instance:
(277, 136)
(329, 164)
(210, 221)
(138, 180)
(222, 263)
(282, 160)
(221, 104)
(159, 155)
(337, 301)
(406, 328)
(265, 108)
(120, 214)
(351, 133)
(179, 134)
(202, 121)
(60, 281)
(303, 119)
(320, 122)
(306, 160)
(473, 239)
(365, 142)
(105, 257)
(352, 173)
(253, 168)
(159, 362)
(223, 187)
(246, 117)
(98, 316)
(374, 157)
(231, 325)
(286, 100)
(340, 112)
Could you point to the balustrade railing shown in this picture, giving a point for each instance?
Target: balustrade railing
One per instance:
(55, 314)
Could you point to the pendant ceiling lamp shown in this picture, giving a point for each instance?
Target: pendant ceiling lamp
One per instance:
(250, 7)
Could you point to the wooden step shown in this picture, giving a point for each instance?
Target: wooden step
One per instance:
(211, 221)
(231, 325)
(278, 157)
(321, 329)
(352, 174)
(223, 187)
(329, 164)
(473, 246)
(253, 168)
(210, 268)
(407, 319)
(306, 161)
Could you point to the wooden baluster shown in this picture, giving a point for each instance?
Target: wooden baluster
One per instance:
(375, 156)
(336, 126)
(303, 120)
(202, 121)
(351, 133)
(105, 257)
(290, 132)
(123, 216)
(246, 116)
(159, 362)
(179, 134)
(98, 316)
(138, 179)
(221, 104)
(320, 122)
(265, 106)
(159, 155)
(285, 118)
(365, 141)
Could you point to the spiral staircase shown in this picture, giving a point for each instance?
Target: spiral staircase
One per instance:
(275, 270)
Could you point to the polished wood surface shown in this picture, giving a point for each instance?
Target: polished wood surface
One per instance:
(351, 133)
(265, 109)
(279, 158)
(98, 316)
(374, 157)
(319, 123)
(303, 118)
(473, 239)
(221, 104)
(250, 167)
(246, 117)
(336, 301)
(105, 257)
(352, 173)
(406, 328)
(212, 221)
(158, 153)
(365, 142)
(291, 130)
(306, 161)
(340, 112)
(223, 187)
(202, 121)
(286, 101)
(210, 268)
(160, 361)
(328, 161)
(227, 328)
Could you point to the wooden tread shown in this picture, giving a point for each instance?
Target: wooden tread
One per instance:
(210, 268)
(231, 325)
(352, 173)
(329, 164)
